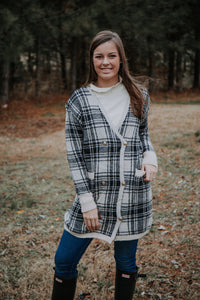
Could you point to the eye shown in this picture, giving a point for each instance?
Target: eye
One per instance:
(98, 56)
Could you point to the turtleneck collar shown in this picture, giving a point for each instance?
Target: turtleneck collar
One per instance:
(103, 90)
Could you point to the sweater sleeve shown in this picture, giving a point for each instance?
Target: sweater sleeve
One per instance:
(149, 155)
(73, 136)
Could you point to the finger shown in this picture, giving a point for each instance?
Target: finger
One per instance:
(153, 173)
(147, 176)
(147, 179)
(95, 224)
(152, 176)
(150, 172)
(92, 224)
(88, 223)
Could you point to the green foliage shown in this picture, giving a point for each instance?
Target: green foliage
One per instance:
(156, 35)
(14, 34)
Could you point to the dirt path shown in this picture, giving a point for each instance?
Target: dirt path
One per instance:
(23, 148)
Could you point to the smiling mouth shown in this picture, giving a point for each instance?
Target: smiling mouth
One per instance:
(106, 69)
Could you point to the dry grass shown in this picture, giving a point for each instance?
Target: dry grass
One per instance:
(36, 189)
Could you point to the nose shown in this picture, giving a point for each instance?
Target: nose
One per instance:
(105, 60)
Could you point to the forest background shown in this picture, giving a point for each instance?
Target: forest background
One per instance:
(44, 44)
(43, 57)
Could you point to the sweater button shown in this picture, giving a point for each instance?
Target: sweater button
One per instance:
(120, 219)
(125, 143)
(103, 183)
(123, 183)
(104, 143)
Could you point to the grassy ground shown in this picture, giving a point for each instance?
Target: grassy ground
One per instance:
(36, 189)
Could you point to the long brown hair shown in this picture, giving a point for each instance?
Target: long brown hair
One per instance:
(136, 97)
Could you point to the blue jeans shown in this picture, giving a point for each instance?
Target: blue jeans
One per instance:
(71, 249)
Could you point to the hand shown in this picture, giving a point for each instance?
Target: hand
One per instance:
(91, 219)
(150, 172)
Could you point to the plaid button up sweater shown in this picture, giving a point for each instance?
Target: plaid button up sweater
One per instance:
(104, 163)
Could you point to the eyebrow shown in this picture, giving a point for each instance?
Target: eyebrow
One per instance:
(113, 52)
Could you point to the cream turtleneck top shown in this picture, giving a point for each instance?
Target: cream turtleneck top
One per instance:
(115, 100)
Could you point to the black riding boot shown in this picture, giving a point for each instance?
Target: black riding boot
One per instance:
(125, 284)
(63, 289)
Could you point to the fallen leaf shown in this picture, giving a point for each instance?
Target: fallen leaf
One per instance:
(42, 216)
(174, 262)
(161, 227)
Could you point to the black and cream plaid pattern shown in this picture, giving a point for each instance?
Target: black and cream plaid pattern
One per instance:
(103, 161)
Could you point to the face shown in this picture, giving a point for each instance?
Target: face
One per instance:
(106, 62)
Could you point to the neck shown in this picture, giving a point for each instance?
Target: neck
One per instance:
(107, 83)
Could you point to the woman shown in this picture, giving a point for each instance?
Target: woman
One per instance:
(112, 162)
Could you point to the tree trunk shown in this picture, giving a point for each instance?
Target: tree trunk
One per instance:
(83, 62)
(48, 63)
(62, 52)
(73, 70)
(38, 68)
(4, 82)
(151, 70)
(11, 76)
(63, 70)
(30, 63)
(184, 64)
(179, 71)
(196, 11)
(196, 69)
(171, 57)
